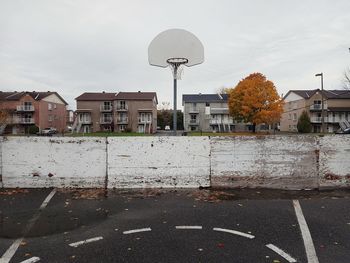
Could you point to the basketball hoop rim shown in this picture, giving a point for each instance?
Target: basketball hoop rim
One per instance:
(177, 61)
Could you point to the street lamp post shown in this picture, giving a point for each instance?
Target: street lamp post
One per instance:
(322, 103)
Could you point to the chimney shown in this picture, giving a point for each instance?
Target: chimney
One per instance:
(103, 92)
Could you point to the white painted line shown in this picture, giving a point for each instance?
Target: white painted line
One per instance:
(31, 260)
(234, 232)
(47, 199)
(137, 231)
(189, 227)
(83, 242)
(6, 257)
(281, 253)
(305, 232)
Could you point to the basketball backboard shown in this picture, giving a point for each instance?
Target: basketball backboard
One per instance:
(175, 44)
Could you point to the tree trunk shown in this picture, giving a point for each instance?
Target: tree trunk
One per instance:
(254, 127)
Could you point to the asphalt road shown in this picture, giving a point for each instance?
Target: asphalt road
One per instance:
(173, 226)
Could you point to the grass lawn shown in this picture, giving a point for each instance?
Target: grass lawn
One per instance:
(107, 134)
(226, 133)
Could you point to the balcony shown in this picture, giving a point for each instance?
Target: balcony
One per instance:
(84, 120)
(336, 119)
(318, 119)
(193, 122)
(106, 120)
(318, 107)
(219, 111)
(122, 107)
(144, 120)
(193, 110)
(18, 120)
(104, 107)
(25, 108)
(219, 122)
(122, 120)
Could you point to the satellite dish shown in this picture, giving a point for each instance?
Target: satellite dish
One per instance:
(175, 48)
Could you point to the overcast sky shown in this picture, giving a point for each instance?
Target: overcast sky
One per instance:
(91, 46)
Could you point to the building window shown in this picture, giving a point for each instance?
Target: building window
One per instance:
(289, 116)
(49, 106)
(207, 104)
(194, 106)
(294, 116)
(50, 118)
(54, 106)
(122, 127)
(121, 105)
(145, 117)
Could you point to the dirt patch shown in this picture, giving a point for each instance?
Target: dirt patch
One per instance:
(13, 191)
(331, 176)
(88, 194)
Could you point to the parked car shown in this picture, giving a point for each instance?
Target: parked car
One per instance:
(47, 132)
(346, 131)
(167, 128)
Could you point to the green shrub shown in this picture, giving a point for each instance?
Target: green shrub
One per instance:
(304, 123)
(33, 129)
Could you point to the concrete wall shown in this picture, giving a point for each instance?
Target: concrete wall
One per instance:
(334, 161)
(135, 162)
(283, 162)
(53, 162)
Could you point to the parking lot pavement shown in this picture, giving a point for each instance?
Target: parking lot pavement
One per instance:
(179, 226)
(329, 223)
(15, 211)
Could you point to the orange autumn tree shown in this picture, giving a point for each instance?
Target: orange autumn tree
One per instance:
(255, 100)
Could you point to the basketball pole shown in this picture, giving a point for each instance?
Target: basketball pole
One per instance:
(175, 100)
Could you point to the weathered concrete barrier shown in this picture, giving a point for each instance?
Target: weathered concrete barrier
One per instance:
(135, 162)
(334, 161)
(283, 162)
(53, 162)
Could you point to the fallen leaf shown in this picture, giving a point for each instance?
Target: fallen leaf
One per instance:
(221, 245)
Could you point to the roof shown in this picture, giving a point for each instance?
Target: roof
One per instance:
(339, 108)
(204, 98)
(109, 96)
(329, 94)
(137, 96)
(93, 96)
(14, 95)
(337, 94)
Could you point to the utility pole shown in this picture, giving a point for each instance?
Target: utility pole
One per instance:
(323, 130)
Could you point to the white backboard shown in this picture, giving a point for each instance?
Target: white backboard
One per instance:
(175, 43)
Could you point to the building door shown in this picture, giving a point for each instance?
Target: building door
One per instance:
(86, 129)
(141, 128)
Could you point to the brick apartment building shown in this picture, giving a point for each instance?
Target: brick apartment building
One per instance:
(25, 109)
(336, 106)
(123, 111)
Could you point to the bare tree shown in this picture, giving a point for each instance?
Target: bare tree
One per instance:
(165, 105)
(346, 79)
(4, 117)
(223, 90)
